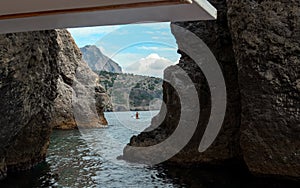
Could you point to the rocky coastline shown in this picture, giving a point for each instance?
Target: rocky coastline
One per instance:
(45, 84)
(39, 71)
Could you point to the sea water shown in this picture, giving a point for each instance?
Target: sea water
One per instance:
(87, 158)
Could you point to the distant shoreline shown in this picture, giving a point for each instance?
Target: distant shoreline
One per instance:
(132, 110)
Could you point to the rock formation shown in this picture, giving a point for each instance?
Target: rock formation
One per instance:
(226, 147)
(72, 70)
(256, 44)
(29, 76)
(98, 61)
(37, 70)
(266, 40)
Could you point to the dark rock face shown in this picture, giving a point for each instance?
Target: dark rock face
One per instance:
(257, 46)
(28, 66)
(266, 37)
(216, 35)
(39, 72)
(98, 61)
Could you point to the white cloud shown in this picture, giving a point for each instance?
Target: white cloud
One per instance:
(152, 65)
(158, 33)
(160, 38)
(125, 59)
(157, 25)
(165, 33)
(157, 48)
(86, 31)
(150, 32)
(148, 48)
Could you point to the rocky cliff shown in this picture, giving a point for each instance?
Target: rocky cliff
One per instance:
(256, 44)
(217, 36)
(29, 76)
(37, 70)
(266, 41)
(74, 75)
(98, 61)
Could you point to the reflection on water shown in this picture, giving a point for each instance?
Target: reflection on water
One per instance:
(87, 158)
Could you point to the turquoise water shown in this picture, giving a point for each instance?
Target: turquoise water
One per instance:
(87, 158)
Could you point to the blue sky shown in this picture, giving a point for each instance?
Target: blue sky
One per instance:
(139, 48)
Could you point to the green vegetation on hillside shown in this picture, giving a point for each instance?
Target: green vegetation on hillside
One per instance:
(132, 92)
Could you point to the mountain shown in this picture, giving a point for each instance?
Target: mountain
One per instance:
(132, 92)
(98, 61)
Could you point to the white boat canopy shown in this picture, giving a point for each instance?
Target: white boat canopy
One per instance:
(29, 15)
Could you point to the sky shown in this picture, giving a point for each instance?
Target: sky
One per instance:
(145, 49)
